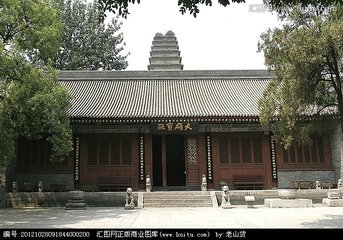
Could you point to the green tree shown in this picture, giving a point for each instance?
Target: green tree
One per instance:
(306, 59)
(87, 43)
(121, 6)
(32, 103)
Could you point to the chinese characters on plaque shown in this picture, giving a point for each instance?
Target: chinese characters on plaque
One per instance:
(174, 127)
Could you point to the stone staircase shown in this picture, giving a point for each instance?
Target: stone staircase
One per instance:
(177, 199)
(16, 201)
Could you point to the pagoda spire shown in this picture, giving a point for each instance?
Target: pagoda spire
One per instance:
(165, 54)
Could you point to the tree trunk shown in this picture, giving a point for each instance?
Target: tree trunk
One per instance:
(340, 107)
(2, 187)
(341, 168)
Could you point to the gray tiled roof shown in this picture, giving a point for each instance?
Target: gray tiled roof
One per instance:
(164, 94)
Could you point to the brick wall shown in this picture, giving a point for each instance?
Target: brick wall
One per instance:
(285, 178)
(47, 179)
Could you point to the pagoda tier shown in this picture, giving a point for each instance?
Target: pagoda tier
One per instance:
(165, 54)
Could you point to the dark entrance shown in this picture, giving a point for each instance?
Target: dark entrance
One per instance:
(168, 160)
(175, 156)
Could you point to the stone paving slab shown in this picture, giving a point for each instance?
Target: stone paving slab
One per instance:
(239, 216)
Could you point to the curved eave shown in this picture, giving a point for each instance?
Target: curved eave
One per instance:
(108, 120)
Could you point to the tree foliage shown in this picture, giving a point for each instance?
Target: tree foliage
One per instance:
(30, 27)
(306, 59)
(192, 6)
(32, 103)
(87, 43)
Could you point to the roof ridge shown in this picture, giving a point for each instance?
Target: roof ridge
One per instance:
(184, 74)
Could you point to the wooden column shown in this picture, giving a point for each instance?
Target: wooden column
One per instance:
(77, 160)
(141, 150)
(148, 158)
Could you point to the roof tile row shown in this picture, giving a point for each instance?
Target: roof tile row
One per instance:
(202, 96)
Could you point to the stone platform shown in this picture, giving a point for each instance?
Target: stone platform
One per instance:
(117, 199)
(333, 202)
(288, 203)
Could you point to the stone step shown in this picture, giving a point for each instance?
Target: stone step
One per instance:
(177, 199)
(17, 203)
(176, 195)
(177, 205)
(180, 192)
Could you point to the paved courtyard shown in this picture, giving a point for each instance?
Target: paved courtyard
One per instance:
(238, 217)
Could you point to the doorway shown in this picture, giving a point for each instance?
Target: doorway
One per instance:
(169, 160)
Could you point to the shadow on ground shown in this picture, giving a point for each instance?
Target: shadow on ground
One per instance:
(330, 221)
(59, 217)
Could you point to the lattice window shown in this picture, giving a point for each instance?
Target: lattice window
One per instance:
(246, 150)
(257, 144)
(92, 152)
(285, 155)
(300, 154)
(35, 153)
(115, 152)
(305, 154)
(234, 145)
(192, 151)
(126, 152)
(223, 146)
(109, 152)
(240, 150)
(103, 145)
(321, 149)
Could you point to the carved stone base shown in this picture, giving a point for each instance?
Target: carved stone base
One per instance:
(287, 193)
(333, 202)
(250, 201)
(288, 203)
(226, 205)
(129, 206)
(76, 201)
(76, 195)
(72, 205)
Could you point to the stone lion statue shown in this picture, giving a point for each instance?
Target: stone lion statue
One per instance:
(148, 183)
(340, 184)
(203, 183)
(129, 203)
(226, 198)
